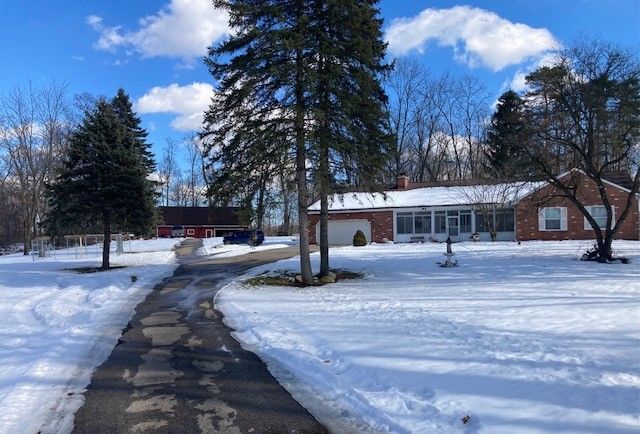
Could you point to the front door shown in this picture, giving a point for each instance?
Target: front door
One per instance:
(453, 227)
(208, 233)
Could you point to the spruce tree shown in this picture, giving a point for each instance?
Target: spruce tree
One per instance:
(349, 113)
(298, 78)
(137, 136)
(260, 113)
(506, 136)
(102, 184)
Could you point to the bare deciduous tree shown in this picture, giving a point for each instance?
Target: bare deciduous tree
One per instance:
(194, 169)
(488, 200)
(168, 169)
(439, 124)
(34, 125)
(583, 113)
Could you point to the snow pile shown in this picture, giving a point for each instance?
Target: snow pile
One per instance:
(214, 246)
(522, 338)
(58, 325)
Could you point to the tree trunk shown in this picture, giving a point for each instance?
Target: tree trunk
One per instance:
(324, 217)
(603, 244)
(26, 240)
(260, 208)
(607, 252)
(106, 243)
(27, 235)
(286, 211)
(323, 170)
(301, 171)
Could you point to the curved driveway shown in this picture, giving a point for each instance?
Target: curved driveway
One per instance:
(177, 369)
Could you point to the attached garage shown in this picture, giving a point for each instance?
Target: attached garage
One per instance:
(341, 232)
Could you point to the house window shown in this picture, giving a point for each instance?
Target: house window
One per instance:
(599, 214)
(484, 221)
(465, 221)
(440, 222)
(505, 220)
(422, 221)
(553, 219)
(191, 231)
(404, 222)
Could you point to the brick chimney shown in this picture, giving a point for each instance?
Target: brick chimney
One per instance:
(402, 182)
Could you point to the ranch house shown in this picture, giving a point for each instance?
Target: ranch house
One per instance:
(411, 212)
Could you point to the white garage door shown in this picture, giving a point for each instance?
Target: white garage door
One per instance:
(341, 232)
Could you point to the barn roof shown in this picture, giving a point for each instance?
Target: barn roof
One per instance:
(199, 215)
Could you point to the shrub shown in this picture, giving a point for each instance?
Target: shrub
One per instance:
(359, 239)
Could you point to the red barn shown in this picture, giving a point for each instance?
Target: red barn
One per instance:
(199, 221)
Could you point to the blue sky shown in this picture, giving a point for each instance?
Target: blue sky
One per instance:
(152, 47)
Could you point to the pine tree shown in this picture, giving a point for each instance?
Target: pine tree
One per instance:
(103, 183)
(506, 136)
(349, 113)
(298, 78)
(137, 136)
(259, 116)
(142, 163)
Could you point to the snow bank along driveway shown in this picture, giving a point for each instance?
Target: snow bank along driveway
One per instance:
(57, 325)
(522, 338)
(214, 246)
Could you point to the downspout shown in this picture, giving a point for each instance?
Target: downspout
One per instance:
(515, 222)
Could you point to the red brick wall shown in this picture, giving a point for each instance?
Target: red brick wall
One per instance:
(381, 223)
(527, 214)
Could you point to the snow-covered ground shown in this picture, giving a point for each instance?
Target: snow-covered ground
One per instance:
(522, 338)
(57, 325)
(214, 246)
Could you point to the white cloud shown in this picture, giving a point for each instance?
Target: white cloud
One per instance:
(518, 82)
(188, 103)
(478, 36)
(183, 29)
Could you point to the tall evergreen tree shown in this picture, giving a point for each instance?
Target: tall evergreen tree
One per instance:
(260, 113)
(349, 111)
(136, 136)
(506, 136)
(298, 78)
(103, 180)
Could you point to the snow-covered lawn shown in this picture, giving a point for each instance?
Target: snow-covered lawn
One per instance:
(57, 325)
(522, 338)
(214, 246)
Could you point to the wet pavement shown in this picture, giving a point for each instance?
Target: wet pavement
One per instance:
(176, 368)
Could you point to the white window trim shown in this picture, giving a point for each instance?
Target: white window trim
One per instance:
(542, 221)
(587, 225)
(191, 231)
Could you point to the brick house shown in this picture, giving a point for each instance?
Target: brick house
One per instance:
(434, 211)
(199, 221)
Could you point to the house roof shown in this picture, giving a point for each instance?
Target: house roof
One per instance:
(620, 177)
(500, 193)
(199, 215)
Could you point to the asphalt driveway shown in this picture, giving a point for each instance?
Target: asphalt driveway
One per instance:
(177, 369)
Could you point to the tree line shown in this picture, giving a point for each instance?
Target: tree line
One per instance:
(307, 105)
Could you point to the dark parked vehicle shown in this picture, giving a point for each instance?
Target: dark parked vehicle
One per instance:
(250, 237)
(177, 231)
